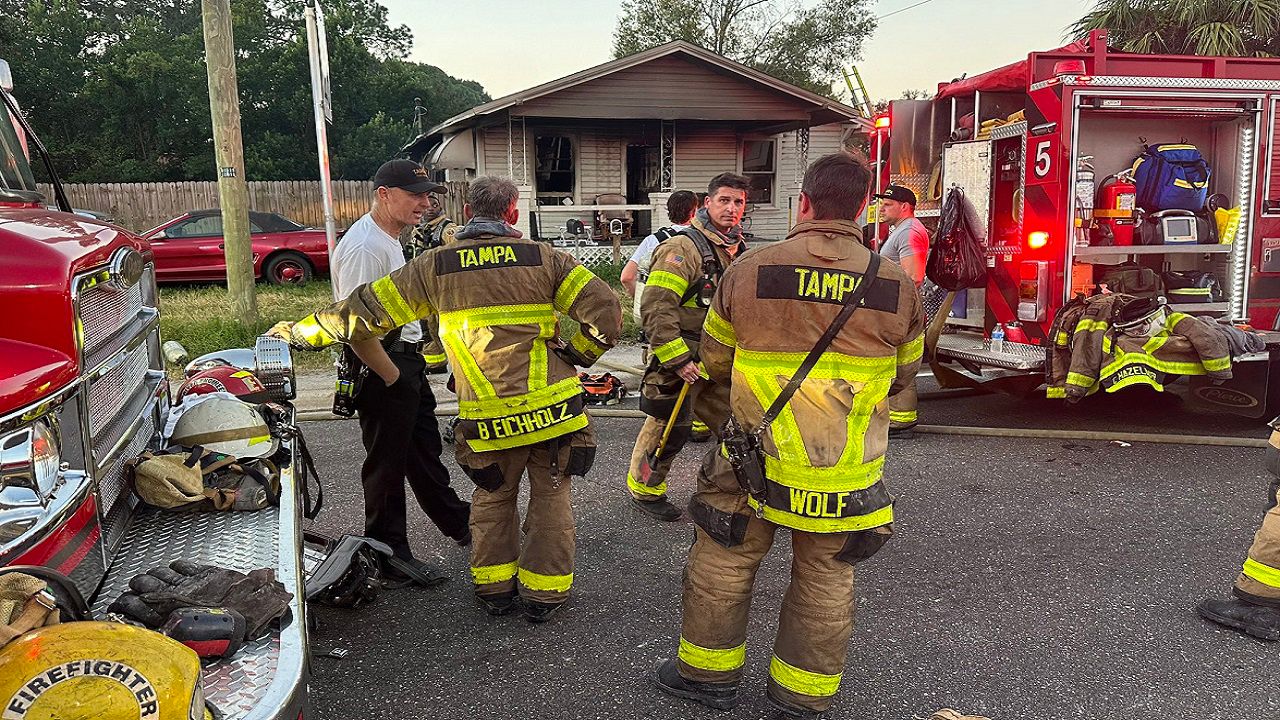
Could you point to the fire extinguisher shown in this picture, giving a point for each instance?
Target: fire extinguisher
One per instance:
(1114, 210)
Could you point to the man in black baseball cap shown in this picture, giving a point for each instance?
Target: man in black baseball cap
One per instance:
(406, 175)
(907, 245)
(898, 194)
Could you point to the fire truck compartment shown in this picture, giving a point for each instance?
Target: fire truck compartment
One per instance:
(266, 677)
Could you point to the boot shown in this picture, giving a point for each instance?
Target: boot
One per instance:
(791, 711)
(500, 604)
(700, 432)
(662, 509)
(720, 696)
(539, 612)
(902, 432)
(1256, 620)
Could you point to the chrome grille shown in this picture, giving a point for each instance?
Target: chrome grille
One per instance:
(110, 393)
(113, 482)
(104, 309)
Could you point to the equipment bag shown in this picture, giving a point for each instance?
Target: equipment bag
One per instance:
(957, 260)
(199, 480)
(1171, 177)
(1191, 286)
(1132, 279)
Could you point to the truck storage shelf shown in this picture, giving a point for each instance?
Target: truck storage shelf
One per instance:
(974, 348)
(1218, 307)
(1151, 250)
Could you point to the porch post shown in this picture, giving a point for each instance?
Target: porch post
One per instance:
(666, 155)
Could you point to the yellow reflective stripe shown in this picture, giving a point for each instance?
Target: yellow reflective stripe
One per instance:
(1179, 182)
(540, 314)
(537, 365)
(1175, 146)
(1136, 380)
(489, 574)
(719, 329)
(880, 517)
(392, 301)
(803, 682)
(711, 659)
(311, 332)
(912, 351)
(1191, 291)
(586, 346)
(1086, 324)
(668, 350)
(799, 473)
(1169, 366)
(1216, 364)
(435, 359)
(640, 488)
(1156, 342)
(1055, 392)
(670, 281)
(547, 433)
(905, 416)
(699, 426)
(1063, 338)
(545, 583)
(1264, 574)
(571, 287)
(494, 407)
(462, 359)
(1080, 380)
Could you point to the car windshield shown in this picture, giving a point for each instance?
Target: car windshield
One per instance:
(16, 179)
(271, 222)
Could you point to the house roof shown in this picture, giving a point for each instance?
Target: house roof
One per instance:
(823, 109)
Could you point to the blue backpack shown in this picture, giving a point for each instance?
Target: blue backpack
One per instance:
(1171, 177)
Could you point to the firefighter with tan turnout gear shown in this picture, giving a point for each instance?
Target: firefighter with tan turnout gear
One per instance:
(1255, 609)
(813, 334)
(436, 230)
(520, 401)
(683, 277)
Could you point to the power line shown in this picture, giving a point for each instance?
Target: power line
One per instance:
(895, 12)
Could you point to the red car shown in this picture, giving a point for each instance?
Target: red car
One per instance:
(190, 248)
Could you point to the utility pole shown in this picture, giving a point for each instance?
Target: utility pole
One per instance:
(318, 50)
(224, 106)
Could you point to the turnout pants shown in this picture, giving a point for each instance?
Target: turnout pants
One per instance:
(817, 611)
(535, 560)
(1259, 581)
(902, 407)
(402, 442)
(707, 401)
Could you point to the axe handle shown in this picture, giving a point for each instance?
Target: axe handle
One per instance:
(671, 421)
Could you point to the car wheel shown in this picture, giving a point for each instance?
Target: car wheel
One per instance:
(288, 268)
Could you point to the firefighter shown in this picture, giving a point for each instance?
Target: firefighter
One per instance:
(435, 230)
(822, 457)
(907, 245)
(1255, 610)
(683, 276)
(519, 398)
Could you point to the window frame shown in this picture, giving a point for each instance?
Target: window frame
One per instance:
(772, 204)
(1271, 188)
(575, 149)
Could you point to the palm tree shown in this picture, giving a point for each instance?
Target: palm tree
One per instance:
(1187, 27)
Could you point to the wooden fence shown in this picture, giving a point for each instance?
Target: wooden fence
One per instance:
(142, 206)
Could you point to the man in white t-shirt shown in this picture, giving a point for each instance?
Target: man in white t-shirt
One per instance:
(907, 245)
(680, 208)
(397, 421)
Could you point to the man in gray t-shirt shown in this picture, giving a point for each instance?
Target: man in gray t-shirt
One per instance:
(907, 245)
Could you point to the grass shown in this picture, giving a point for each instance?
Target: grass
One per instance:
(200, 317)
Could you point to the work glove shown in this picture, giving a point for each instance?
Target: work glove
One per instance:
(152, 596)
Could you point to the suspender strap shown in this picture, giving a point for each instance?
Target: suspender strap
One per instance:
(851, 304)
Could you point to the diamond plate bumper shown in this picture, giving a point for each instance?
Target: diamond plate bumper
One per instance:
(267, 678)
(974, 348)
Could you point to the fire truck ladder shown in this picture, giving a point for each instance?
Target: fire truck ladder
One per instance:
(858, 93)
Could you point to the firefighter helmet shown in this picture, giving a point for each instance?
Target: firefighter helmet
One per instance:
(226, 426)
(83, 670)
(225, 378)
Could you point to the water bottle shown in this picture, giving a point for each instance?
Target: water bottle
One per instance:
(997, 339)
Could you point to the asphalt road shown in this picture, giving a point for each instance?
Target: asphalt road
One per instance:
(1029, 580)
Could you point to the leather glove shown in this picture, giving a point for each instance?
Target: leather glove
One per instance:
(152, 596)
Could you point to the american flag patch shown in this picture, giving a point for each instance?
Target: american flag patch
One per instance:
(675, 260)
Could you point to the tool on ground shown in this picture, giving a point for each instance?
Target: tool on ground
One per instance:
(650, 460)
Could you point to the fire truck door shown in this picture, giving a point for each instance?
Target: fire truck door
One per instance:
(968, 165)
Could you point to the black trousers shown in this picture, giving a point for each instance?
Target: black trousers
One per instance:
(402, 442)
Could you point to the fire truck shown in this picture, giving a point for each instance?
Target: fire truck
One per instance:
(82, 391)
(1038, 149)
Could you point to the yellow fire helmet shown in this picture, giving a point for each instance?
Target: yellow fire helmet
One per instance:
(110, 671)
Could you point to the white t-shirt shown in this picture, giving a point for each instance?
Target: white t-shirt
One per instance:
(365, 254)
(643, 258)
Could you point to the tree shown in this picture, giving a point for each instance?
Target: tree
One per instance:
(804, 45)
(1187, 27)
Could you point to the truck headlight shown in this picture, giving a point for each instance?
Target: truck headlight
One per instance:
(30, 458)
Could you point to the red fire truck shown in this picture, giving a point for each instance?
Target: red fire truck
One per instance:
(1025, 143)
(82, 391)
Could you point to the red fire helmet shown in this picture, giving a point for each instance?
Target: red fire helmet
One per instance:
(241, 383)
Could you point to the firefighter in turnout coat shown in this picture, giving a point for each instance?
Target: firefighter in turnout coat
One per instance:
(436, 230)
(685, 272)
(823, 455)
(520, 402)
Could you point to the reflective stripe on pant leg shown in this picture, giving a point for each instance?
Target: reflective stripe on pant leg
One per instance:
(646, 443)
(1264, 574)
(546, 561)
(802, 681)
(548, 583)
(490, 574)
(904, 418)
(712, 659)
(639, 488)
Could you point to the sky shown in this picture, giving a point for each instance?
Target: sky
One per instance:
(510, 45)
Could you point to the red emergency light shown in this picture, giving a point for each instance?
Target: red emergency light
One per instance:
(1037, 239)
(882, 121)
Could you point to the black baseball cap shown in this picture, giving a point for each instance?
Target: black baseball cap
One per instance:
(899, 193)
(406, 175)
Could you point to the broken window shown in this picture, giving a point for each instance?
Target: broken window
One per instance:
(759, 167)
(554, 173)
